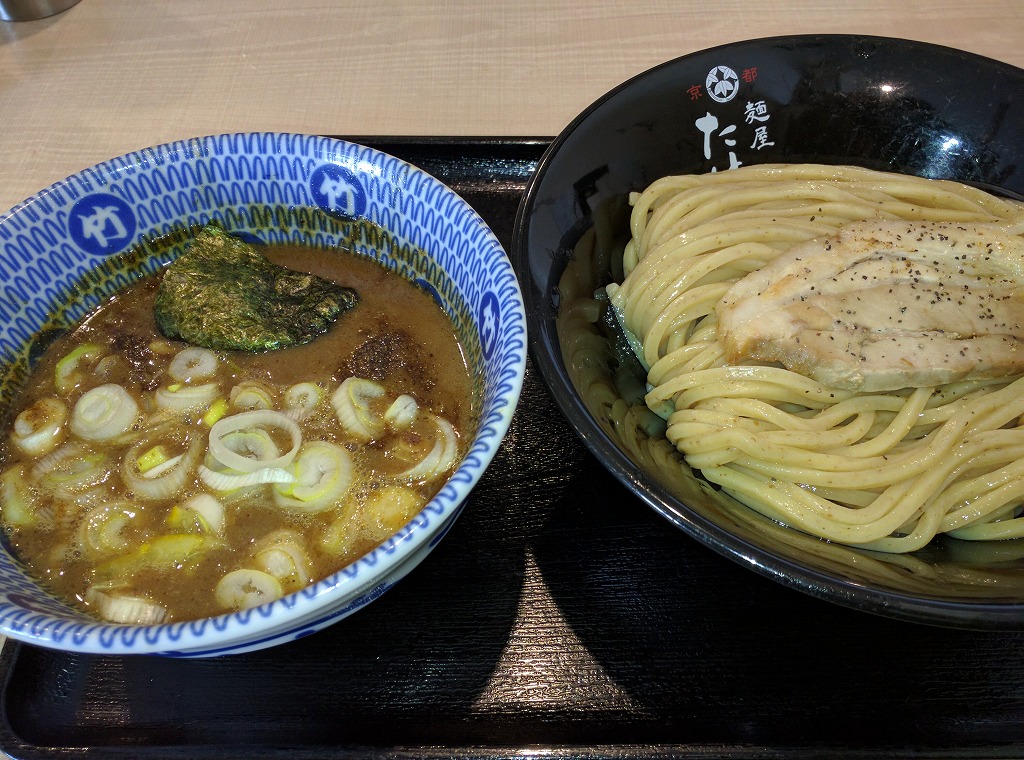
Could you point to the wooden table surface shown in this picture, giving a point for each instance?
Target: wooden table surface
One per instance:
(110, 76)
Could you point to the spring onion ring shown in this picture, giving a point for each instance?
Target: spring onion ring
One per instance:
(391, 507)
(54, 459)
(163, 552)
(209, 509)
(251, 443)
(254, 420)
(323, 473)
(281, 554)
(108, 366)
(16, 499)
(165, 480)
(186, 398)
(302, 400)
(252, 395)
(247, 588)
(40, 428)
(71, 470)
(104, 413)
(102, 531)
(193, 363)
(402, 413)
(352, 405)
(441, 458)
(118, 608)
(70, 369)
(219, 480)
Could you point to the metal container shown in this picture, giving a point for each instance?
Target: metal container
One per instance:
(30, 10)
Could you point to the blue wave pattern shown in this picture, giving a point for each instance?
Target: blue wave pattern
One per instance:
(63, 236)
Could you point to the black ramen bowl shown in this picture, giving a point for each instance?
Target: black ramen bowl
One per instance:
(879, 103)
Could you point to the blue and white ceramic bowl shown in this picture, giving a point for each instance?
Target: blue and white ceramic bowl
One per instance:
(275, 188)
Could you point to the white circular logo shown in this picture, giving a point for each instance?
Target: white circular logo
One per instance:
(722, 84)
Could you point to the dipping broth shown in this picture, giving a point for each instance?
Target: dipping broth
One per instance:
(241, 477)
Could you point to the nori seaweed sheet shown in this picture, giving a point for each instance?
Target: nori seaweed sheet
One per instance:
(223, 294)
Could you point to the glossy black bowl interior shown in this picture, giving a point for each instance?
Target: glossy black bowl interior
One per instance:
(881, 103)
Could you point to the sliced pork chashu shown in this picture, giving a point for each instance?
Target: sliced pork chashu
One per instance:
(885, 305)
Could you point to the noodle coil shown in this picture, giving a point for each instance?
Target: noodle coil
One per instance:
(886, 470)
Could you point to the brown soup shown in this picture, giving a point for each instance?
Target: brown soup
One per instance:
(236, 477)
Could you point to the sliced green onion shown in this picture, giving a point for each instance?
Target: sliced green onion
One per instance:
(40, 428)
(219, 480)
(252, 395)
(101, 533)
(340, 537)
(302, 399)
(16, 501)
(209, 510)
(391, 507)
(246, 588)
(183, 520)
(165, 466)
(216, 411)
(152, 458)
(168, 478)
(323, 473)
(352, 405)
(186, 398)
(402, 413)
(72, 470)
(55, 458)
(252, 444)
(441, 458)
(90, 497)
(104, 413)
(171, 552)
(253, 421)
(193, 363)
(71, 369)
(120, 608)
(109, 366)
(282, 555)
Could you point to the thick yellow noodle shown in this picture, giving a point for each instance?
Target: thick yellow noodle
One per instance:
(887, 471)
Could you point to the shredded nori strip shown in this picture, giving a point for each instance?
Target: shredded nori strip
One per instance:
(223, 294)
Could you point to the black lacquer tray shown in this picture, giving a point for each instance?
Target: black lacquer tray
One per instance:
(560, 617)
